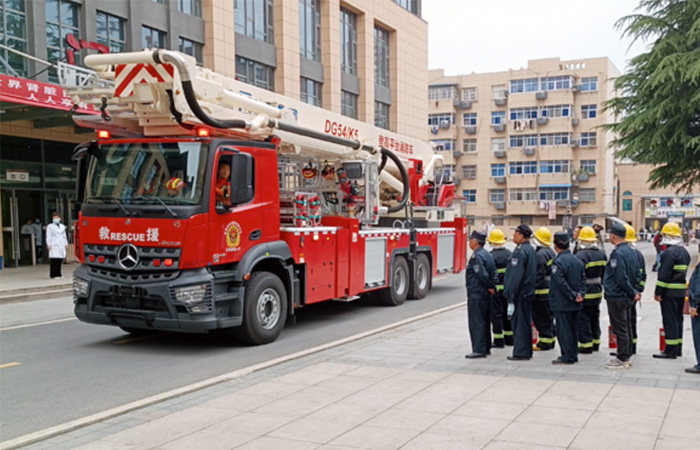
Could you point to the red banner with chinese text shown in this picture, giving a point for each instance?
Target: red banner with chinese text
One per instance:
(36, 93)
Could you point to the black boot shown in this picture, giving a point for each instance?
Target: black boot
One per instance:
(498, 343)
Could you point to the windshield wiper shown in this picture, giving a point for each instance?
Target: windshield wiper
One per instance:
(153, 197)
(117, 202)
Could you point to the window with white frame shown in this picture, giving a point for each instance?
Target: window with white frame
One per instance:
(469, 94)
(523, 113)
(499, 91)
(588, 165)
(527, 140)
(469, 145)
(555, 83)
(469, 195)
(522, 194)
(381, 115)
(528, 85)
(555, 139)
(348, 41)
(13, 21)
(348, 104)
(498, 144)
(382, 59)
(554, 193)
(497, 195)
(589, 84)
(469, 172)
(62, 19)
(555, 166)
(444, 144)
(252, 72)
(437, 119)
(469, 119)
(310, 29)
(449, 170)
(498, 170)
(589, 139)
(589, 111)
(498, 117)
(311, 92)
(254, 19)
(555, 111)
(442, 92)
(586, 195)
(522, 167)
(111, 31)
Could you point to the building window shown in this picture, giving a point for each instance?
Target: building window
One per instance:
(528, 140)
(589, 139)
(408, 5)
(589, 111)
(442, 92)
(498, 144)
(555, 166)
(443, 144)
(437, 119)
(252, 72)
(497, 195)
(191, 48)
(627, 204)
(498, 170)
(555, 139)
(152, 38)
(469, 195)
(381, 56)
(469, 94)
(254, 18)
(588, 165)
(13, 34)
(554, 193)
(522, 194)
(469, 172)
(348, 41)
(518, 86)
(589, 84)
(555, 111)
(586, 195)
(381, 115)
(310, 29)
(448, 170)
(348, 104)
(158, 1)
(499, 91)
(469, 119)
(555, 83)
(523, 113)
(469, 145)
(522, 167)
(62, 19)
(498, 117)
(110, 32)
(191, 7)
(311, 92)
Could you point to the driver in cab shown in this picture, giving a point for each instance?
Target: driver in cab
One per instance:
(223, 183)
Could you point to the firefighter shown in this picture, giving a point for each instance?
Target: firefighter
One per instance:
(500, 323)
(541, 316)
(639, 284)
(566, 294)
(519, 290)
(620, 293)
(481, 285)
(694, 299)
(594, 261)
(670, 288)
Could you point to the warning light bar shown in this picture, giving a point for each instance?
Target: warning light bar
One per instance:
(202, 132)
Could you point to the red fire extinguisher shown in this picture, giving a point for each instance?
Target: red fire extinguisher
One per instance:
(535, 334)
(612, 338)
(662, 339)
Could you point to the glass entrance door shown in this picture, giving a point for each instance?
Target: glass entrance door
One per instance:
(20, 207)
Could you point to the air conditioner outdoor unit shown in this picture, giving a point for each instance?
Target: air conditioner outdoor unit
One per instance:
(499, 180)
(576, 88)
(562, 203)
(465, 105)
(499, 206)
(542, 120)
(500, 101)
(456, 153)
(575, 142)
(541, 95)
(499, 128)
(444, 124)
(470, 129)
(529, 151)
(456, 180)
(499, 153)
(470, 176)
(584, 176)
(574, 121)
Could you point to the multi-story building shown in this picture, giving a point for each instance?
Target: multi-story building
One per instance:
(525, 146)
(365, 59)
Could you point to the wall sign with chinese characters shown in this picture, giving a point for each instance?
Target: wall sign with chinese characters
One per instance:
(36, 93)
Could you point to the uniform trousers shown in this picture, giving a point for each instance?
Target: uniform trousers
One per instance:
(695, 323)
(620, 319)
(567, 323)
(672, 318)
(479, 311)
(542, 318)
(589, 325)
(521, 322)
(499, 318)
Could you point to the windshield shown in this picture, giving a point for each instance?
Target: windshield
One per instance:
(147, 173)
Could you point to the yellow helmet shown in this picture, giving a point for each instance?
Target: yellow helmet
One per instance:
(671, 229)
(631, 235)
(497, 237)
(587, 234)
(544, 236)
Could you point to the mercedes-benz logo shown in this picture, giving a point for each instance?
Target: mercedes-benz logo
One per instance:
(128, 256)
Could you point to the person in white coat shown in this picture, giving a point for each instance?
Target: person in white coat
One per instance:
(56, 242)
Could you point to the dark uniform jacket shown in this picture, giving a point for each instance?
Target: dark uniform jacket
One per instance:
(545, 256)
(642, 272)
(620, 274)
(501, 257)
(481, 274)
(568, 281)
(694, 288)
(672, 269)
(522, 270)
(594, 261)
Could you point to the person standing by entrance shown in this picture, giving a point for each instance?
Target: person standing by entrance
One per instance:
(56, 242)
(38, 238)
(481, 285)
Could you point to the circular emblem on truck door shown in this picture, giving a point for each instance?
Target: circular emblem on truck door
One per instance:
(128, 256)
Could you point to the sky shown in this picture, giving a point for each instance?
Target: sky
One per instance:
(482, 36)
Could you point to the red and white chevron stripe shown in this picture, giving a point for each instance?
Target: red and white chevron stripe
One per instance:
(126, 75)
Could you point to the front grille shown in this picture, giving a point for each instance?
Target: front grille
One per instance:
(121, 275)
(147, 304)
(146, 256)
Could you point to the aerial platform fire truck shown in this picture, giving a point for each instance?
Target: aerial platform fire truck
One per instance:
(209, 204)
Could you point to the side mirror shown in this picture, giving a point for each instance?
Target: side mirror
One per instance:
(80, 153)
(242, 179)
(82, 150)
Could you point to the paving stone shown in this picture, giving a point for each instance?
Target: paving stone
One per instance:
(643, 424)
(640, 406)
(675, 443)
(433, 441)
(505, 445)
(271, 443)
(539, 434)
(311, 430)
(597, 439)
(555, 416)
(405, 419)
(490, 410)
(477, 427)
(682, 428)
(373, 437)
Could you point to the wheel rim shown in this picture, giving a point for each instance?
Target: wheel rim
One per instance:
(400, 281)
(268, 309)
(422, 276)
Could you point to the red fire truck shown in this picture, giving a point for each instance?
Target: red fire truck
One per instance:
(209, 204)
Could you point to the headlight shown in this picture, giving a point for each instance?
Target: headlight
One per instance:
(190, 294)
(80, 287)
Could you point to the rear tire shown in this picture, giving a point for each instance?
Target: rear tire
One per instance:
(422, 278)
(396, 293)
(264, 309)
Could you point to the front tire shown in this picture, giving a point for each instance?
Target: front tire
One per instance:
(422, 278)
(264, 309)
(396, 293)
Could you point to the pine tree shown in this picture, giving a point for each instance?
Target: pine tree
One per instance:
(658, 99)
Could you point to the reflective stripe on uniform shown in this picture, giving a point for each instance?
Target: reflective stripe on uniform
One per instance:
(681, 268)
(498, 336)
(642, 283)
(550, 262)
(596, 280)
(585, 344)
(507, 333)
(596, 341)
(542, 292)
(670, 285)
(634, 340)
(593, 296)
(503, 270)
(595, 264)
(546, 340)
(674, 341)
(500, 287)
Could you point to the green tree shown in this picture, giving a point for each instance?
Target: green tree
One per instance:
(658, 102)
